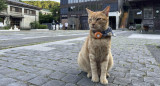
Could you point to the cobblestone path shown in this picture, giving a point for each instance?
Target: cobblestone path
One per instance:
(55, 64)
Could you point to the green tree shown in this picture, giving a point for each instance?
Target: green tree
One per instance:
(3, 5)
(45, 18)
(53, 6)
(42, 4)
(56, 13)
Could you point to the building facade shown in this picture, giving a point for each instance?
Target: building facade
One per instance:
(19, 14)
(74, 12)
(146, 13)
(46, 12)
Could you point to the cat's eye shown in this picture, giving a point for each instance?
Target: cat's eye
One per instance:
(90, 19)
(99, 19)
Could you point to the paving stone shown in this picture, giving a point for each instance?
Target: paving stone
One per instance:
(57, 75)
(85, 82)
(15, 65)
(15, 74)
(119, 69)
(6, 81)
(28, 69)
(71, 78)
(152, 80)
(44, 72)
(1, 76)
(17, 84)
(117, 74)
(83, 74)
(153, 74)
(54, 83)
(38, 80)
(7, 71)
(73, 71)
(122, 81)
(137, 73)
(26, 76)
(111, 79)
(140, 83)
(134, 65)
(70, 84)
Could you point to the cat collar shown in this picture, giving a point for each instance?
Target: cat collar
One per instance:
(105, 33)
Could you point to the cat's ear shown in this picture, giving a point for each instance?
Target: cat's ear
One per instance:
(106, 10)
(89, 11)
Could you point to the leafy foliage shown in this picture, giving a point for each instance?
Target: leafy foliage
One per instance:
(42, 26)
(56, 13)
(43, 4)
(45, 18)
(53, 6)
(1, 19)
(7, 27)
(3, 5)
(36, 25)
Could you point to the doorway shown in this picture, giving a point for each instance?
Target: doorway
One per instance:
(112, 22)
(157, 18)
(15, 21)
(84, 23)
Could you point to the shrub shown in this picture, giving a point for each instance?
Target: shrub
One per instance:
(1, 19)
(6, 27)
(34, 25)
(138, 26)
(43, 26)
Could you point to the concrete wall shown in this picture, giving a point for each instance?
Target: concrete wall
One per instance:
(25, 20)
(117, 15)
(28, 19)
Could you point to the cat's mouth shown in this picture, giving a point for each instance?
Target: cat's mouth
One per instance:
(96, 30)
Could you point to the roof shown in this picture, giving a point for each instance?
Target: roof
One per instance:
(15, 2)
(46, 10)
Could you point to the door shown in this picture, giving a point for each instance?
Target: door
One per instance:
(157, 18)
(15, 21)
(112, 22)
(84, 23)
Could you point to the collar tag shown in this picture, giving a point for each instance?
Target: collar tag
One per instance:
(105, 33)
(98, 35)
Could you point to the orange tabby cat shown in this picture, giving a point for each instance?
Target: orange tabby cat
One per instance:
(95, 57)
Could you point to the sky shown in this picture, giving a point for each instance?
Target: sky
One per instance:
(41, 0)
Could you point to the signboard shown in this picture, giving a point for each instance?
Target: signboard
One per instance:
(64, 15)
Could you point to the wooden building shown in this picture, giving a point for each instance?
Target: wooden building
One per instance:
(74, 12)
(146, 13)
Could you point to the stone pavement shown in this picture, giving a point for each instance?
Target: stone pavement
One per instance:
(55, 64)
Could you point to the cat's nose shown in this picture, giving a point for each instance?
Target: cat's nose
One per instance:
(93, 24)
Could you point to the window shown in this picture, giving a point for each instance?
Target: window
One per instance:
(29, 12)
(63, 2)
(64, 10)
(148, 13)
(15, 9)
(26, 11)
(32, 12)
(73, 1)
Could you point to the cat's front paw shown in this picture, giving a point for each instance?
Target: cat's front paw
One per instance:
(89, 75)
(95, 79)
(104, 81)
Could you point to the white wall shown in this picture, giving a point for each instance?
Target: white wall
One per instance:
(117, 15)
(29, 18)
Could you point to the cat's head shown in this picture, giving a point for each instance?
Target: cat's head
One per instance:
(98, 21)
